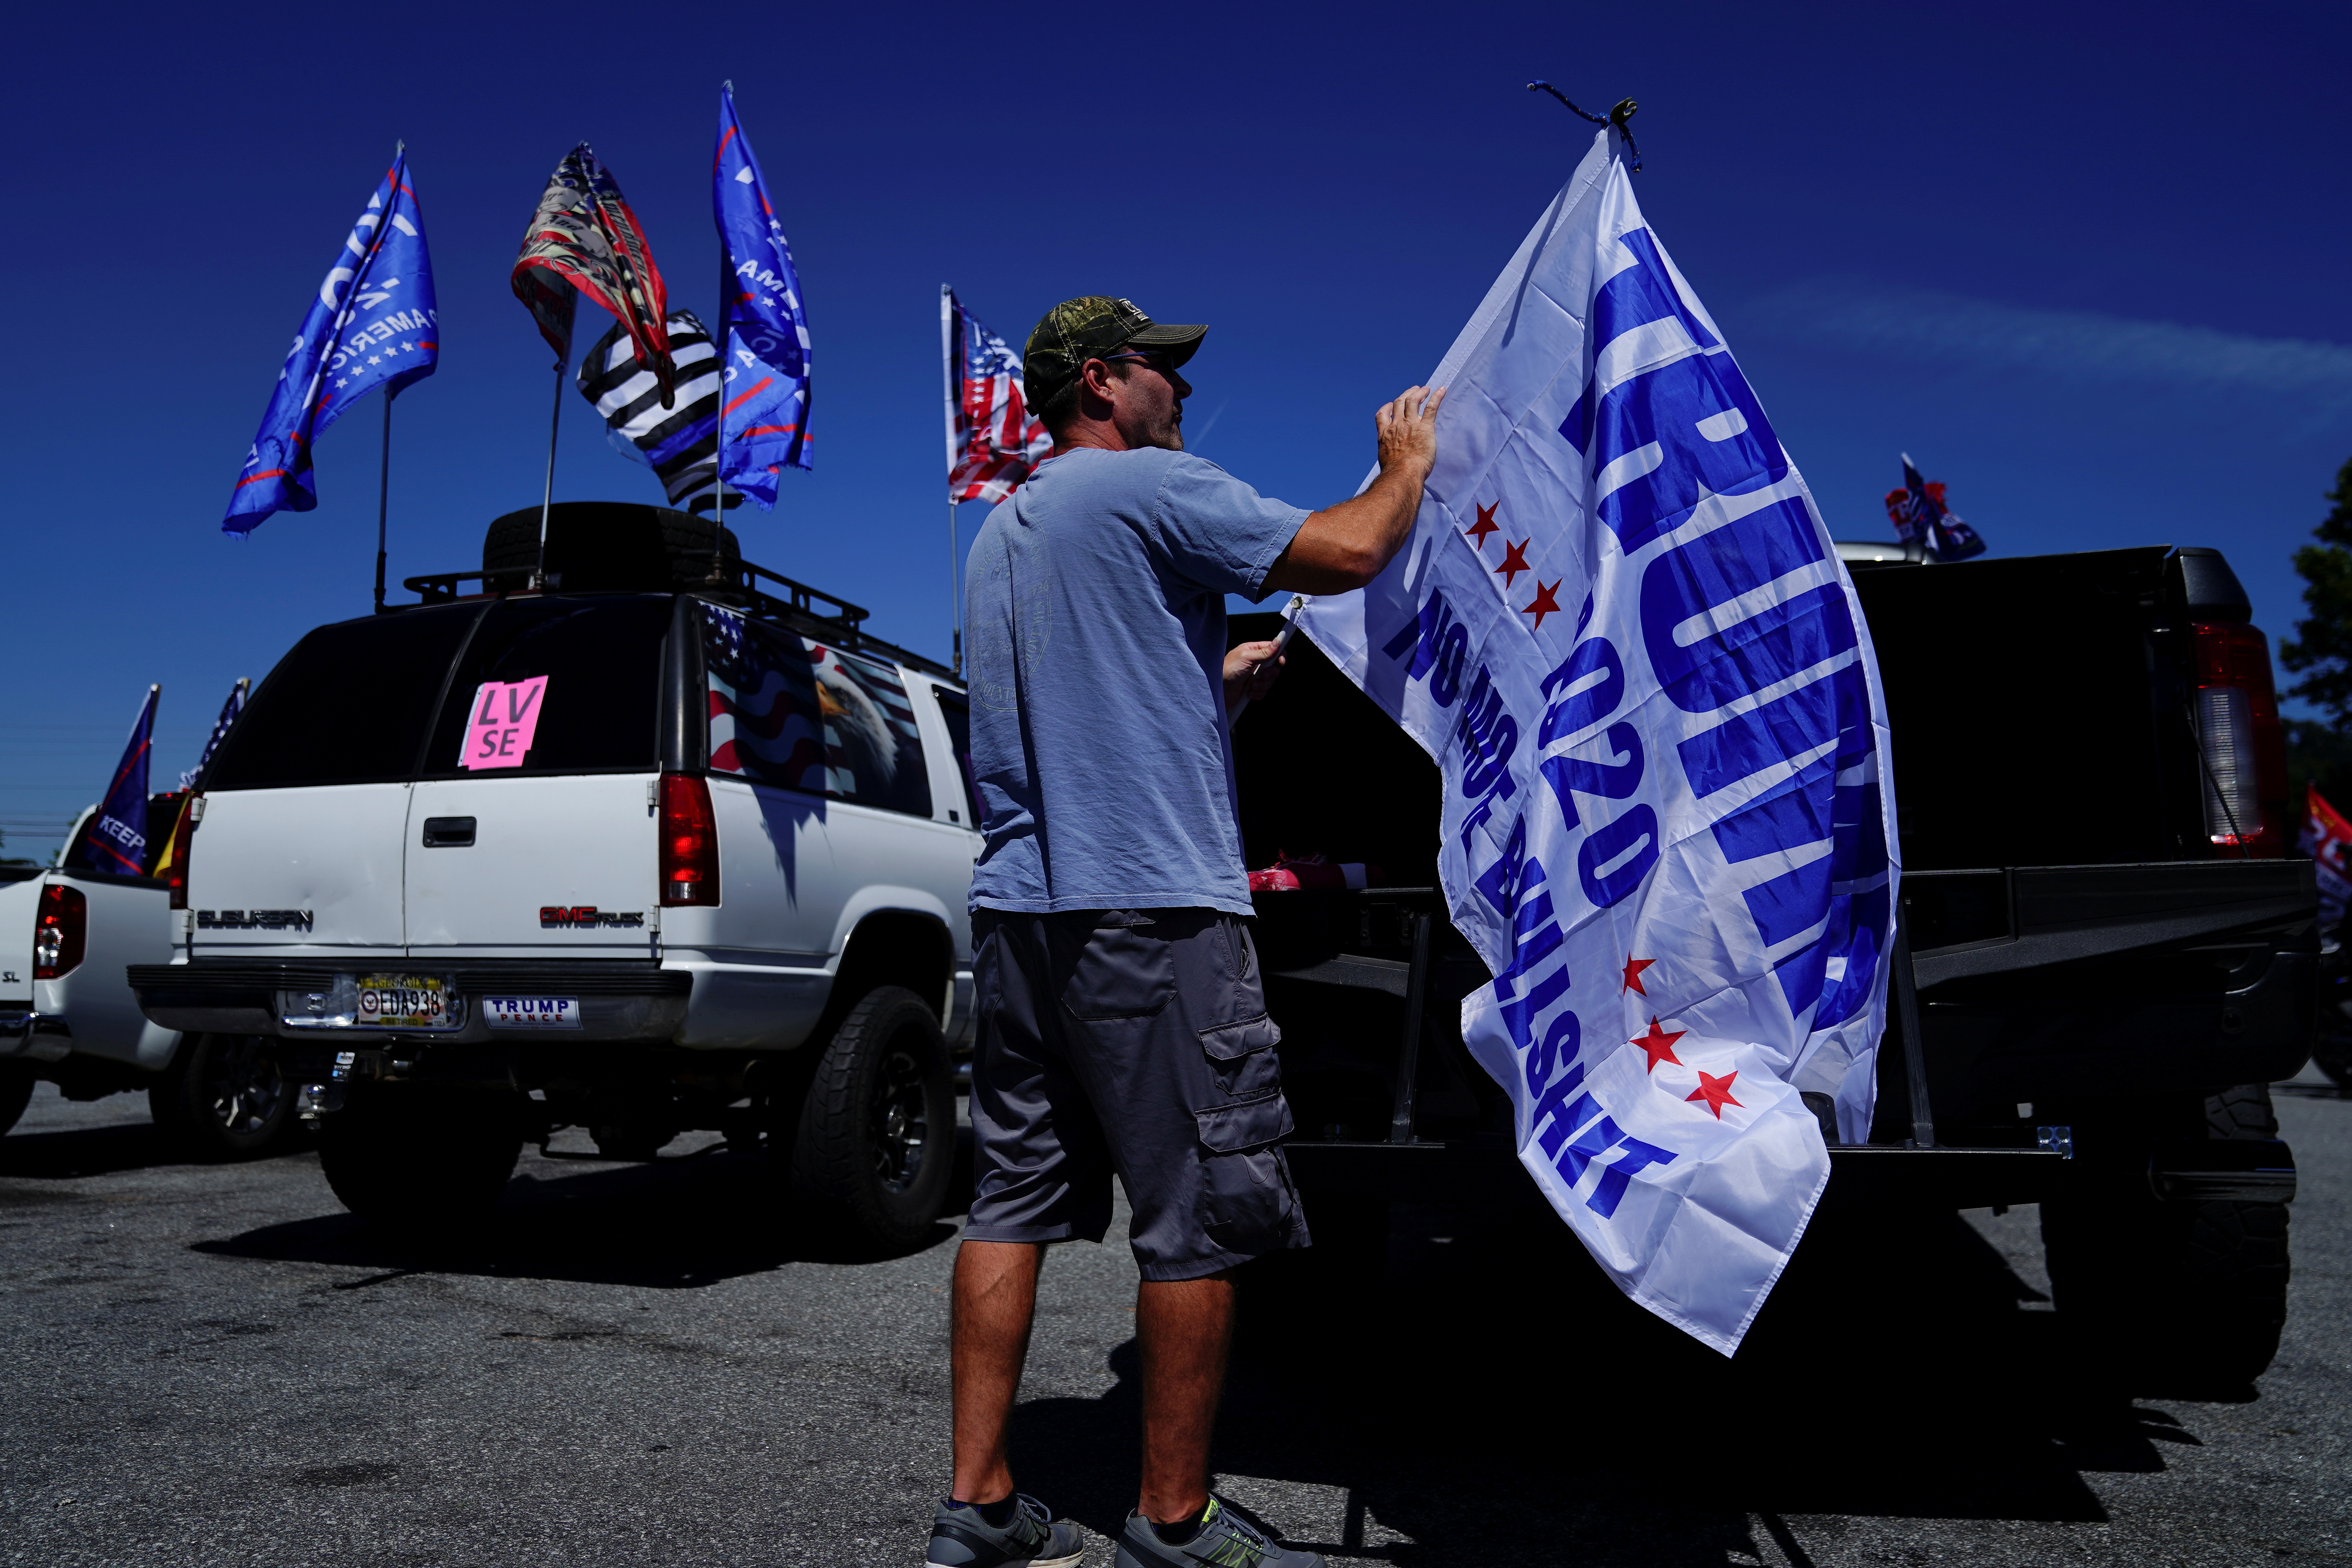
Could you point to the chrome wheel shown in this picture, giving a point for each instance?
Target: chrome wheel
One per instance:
(901, 1128)
(241, 1089)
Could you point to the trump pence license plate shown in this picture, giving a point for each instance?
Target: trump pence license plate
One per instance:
(531, 1012)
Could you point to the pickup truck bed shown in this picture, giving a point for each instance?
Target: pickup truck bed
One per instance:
(2095, 991)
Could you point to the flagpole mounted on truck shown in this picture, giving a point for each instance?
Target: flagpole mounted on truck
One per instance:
(374, 324)
(583, 236)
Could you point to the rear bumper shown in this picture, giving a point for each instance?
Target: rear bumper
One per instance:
(29, 1036)
(1478, 1170)
(620, 999)
(2070, 985)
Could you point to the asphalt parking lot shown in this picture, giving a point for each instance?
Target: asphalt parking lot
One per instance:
(637, 1365)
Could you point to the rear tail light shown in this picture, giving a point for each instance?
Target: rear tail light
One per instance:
(2242, 744)
(174, 869)
(690, 841)
(58, 932)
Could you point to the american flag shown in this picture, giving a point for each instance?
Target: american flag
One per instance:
(993, 439)
(788, 712)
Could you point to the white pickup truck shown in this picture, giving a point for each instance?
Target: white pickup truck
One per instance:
(655, 849)
(67, 1018)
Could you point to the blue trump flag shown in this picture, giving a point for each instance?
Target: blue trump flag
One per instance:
(115, 840)
(1668, 810)
(763, 410)
(373, 324)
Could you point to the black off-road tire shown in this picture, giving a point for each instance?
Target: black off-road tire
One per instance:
(2189, 1295)
(16, 1092)
(223, 1097)
(416, 1157)
(870, 1160)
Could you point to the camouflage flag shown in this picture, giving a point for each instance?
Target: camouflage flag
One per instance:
(583, 236)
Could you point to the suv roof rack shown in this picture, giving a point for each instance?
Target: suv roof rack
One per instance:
(736, 587)
(625, 547)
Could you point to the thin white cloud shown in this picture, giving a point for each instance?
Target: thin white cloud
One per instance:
(2084, 346)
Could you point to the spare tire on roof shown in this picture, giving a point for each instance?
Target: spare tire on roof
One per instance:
(596, 546)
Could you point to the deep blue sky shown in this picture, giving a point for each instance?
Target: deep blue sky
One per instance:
(2086, 264)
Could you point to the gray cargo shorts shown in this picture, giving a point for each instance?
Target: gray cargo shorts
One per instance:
(1133, 1041)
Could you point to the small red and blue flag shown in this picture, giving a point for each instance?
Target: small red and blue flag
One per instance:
(2326, 837)
(1920, 517)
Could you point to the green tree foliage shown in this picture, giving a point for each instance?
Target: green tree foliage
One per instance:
(2322, 645)
(2321, 752)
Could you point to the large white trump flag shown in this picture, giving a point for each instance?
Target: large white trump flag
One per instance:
(1622, 630)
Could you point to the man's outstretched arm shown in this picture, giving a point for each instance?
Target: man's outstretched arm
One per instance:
(1345, 546)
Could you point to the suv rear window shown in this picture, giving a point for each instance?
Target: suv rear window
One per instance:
(803, 715)
(348, 705)
(599, 707)
(353, 703)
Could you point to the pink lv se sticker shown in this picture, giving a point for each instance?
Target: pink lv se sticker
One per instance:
(505, 718)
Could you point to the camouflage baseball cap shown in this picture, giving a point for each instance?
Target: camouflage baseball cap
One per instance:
(1077, 331)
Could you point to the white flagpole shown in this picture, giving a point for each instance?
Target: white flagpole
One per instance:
(955, 555)
(383, 469)
(718, 354)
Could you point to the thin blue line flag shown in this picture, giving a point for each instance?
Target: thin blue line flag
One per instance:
(373, 324)
(230, 710)
(763, 413)
(115, 840)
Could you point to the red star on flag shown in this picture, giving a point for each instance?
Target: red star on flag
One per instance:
(1715, 1091)
(1545, 604)
(1634, 967)
(1487, 525)
(1660, 1044)
(1514, 558)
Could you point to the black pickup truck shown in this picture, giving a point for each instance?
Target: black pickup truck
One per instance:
(2104, 957)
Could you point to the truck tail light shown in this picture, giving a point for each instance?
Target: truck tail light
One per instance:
(2242, 744)
(58, 932)
(690, 841)
(174, 868)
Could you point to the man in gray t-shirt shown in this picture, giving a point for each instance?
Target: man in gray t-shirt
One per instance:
(1122, 1020)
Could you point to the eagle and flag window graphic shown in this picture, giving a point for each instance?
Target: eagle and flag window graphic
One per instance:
(802, 715)
(1622, 630)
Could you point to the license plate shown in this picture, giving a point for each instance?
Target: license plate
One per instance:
(408, 1001)
(531, 1012)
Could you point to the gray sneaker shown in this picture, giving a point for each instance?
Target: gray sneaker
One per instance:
(1226, 1540)
(1034, 1539)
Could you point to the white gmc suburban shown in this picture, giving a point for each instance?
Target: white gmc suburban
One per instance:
(650, 850)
